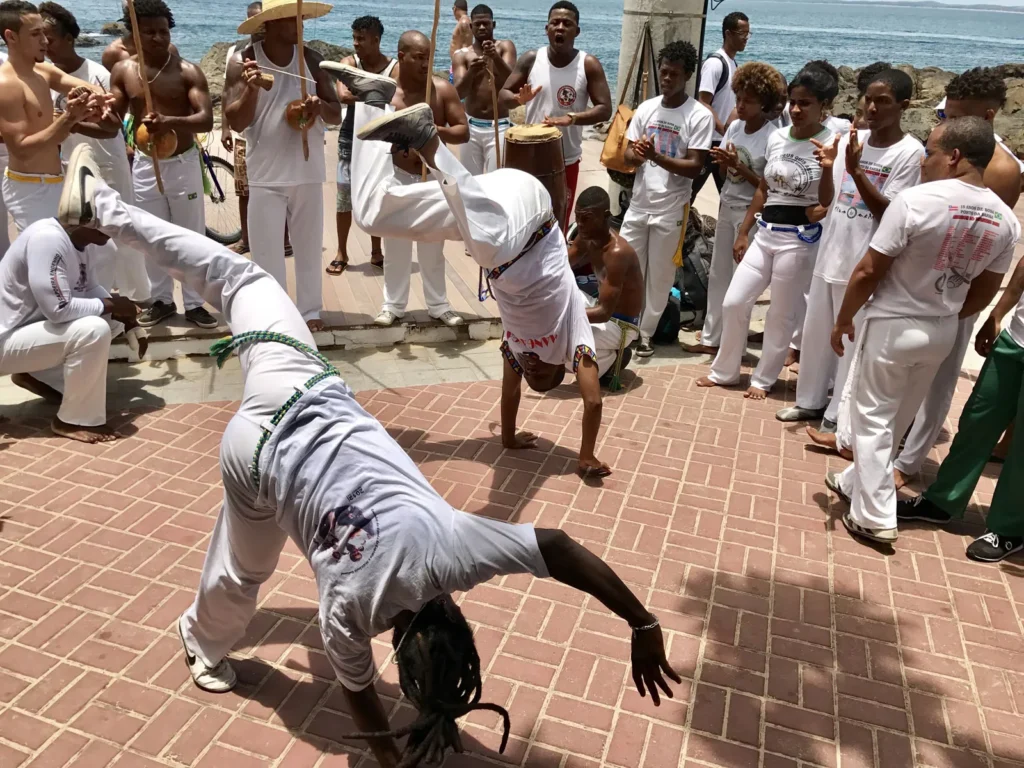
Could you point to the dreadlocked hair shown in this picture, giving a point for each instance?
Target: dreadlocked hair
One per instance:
(439, 673)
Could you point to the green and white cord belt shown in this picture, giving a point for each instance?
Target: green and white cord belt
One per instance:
(223, 348)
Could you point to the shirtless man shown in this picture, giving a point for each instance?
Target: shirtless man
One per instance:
(615, 315)
(462, 35)
(366, 34)
(450, 119)
(182, 107)
(123, 48)
(478, 69)
(30, 130)
(556, 83)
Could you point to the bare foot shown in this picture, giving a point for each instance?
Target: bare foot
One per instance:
(315, 326)
(100, 434)
(828, 440)
(705, 381)
(792, 356)
(795, 368)
(900, 479)
(240, 247)
(700, 349)
(757, 338)
(37, 388)
(755, 393)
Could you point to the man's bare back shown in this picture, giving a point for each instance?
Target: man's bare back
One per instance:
(617, 262)
(179, 90)
(462, 35)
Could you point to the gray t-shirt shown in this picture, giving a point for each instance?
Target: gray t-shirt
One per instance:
(380, 540)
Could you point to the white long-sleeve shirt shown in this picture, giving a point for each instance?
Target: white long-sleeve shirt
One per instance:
(43, 277)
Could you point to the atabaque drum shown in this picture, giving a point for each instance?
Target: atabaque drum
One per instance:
(537, 149)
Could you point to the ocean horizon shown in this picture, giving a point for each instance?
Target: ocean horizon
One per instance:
(784, 34)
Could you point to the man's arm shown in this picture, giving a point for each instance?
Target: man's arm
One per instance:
(511, 393)
(689, 166)
(508, 96)
(48, 281)
(106, 128)
(1003, 177)
(573, 564)
(863, 282)
(504, 61)
(241, 91)
(457, 129)
(609, 289)
(465, 72)
(992, 326)
(14, 123)
(982, 290)
(330, 106)
(369, 715)
(600, 97)
(589, 382)
(710, 74)
(201, 119)
(60, 81)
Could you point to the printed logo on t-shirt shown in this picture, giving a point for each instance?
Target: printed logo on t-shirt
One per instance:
(566, 96)
(849, 196)
(351, 534)
(969, 239)
(665, 137)
(791, 174)
(745, 158)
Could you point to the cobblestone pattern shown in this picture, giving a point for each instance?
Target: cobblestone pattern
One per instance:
(798, 646)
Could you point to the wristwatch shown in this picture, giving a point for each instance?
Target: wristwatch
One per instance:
(572, 118)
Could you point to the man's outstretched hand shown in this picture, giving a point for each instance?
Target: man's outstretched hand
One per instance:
(650, 665)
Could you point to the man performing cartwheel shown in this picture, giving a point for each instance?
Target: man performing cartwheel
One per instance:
(302, 459)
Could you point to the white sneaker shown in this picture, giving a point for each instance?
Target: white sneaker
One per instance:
(76, 208)
(450, 318)
(385, 319)
(218, 679)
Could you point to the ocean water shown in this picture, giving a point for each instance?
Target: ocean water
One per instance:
(784, 34)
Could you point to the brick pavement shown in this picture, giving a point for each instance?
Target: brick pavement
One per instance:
(798, 646)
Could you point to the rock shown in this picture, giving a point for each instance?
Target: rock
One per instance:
(1014, 96)
(88, 41)
(930, 83)
(114, 28)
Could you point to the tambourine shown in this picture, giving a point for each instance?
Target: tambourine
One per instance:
(162, 147)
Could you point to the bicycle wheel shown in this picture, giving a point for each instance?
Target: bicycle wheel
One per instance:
(223, 223)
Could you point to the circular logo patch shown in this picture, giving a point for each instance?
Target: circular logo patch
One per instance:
(566, 96)
(351, 534)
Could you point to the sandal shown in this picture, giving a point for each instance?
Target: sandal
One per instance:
(241, 247)
(337, 266)
(377, 259)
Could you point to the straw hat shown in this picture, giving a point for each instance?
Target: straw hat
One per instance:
(282, 9)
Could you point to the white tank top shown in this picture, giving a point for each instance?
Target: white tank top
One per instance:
(273, 148)
(564, 91)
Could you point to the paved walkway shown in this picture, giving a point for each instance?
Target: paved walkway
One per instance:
(798, 646)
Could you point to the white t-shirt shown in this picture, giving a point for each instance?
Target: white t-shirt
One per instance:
(1016, 327)
(673, 132)
(850, 225)
(792, 172)
(109, 153)
(711, 73)
(838, 125)
(941, 235)
(379, 538)
(737, 192)
(40, 275)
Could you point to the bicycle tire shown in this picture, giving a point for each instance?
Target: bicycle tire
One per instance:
(232, 236)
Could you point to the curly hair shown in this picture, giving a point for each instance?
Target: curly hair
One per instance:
(369, 24)
(826, 67)
(439, 673)
(149, 9)
(680, 52)
(62, 18)
(867, 75)
(978, 84)
(762, 80)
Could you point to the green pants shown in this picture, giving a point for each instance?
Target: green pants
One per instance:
(997, 398)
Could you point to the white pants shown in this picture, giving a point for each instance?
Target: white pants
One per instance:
(5, 237)
(118, 266)
(607, 342)
(70, 357)
(786, 263)
(30, 201)
(798, 334)
(302, 207)
(478, 153)
(655, 240)
(723, 265)
(182, 203)
(933, 411)
(398, 268)
(894, 365)
(821, 368)
(247, 540)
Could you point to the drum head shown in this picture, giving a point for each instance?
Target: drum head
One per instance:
(532, 134)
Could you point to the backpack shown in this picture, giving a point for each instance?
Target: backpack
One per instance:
(688, 299)
(721, 80)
